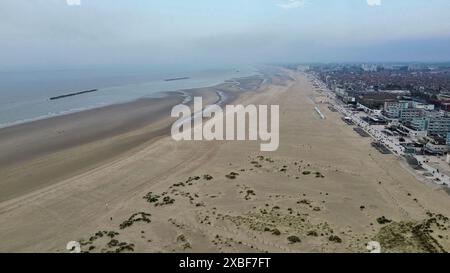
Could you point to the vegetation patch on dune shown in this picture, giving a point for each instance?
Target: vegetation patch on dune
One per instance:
(155, 198)
(183, 241)
(414, 236)
(207, 177)
(136, 217)
(294, 239)
(167, 200)
(319, 175)
(119, 247)
(151, 197)
(383, 220)
(232, 175)
(112, 246)
(335, 239)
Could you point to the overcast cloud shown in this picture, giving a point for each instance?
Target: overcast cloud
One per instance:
(46, 33)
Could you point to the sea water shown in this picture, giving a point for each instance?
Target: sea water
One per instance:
(25, 95)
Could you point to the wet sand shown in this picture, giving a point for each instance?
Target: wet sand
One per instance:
(325, 190)
(40, 153)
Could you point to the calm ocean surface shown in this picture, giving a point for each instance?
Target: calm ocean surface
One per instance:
(24, 96)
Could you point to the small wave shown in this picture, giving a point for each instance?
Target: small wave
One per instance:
(187, 97)
(49, 115)
(222, 97)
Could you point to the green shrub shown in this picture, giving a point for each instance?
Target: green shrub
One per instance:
(294, 239)
(207, 177)
(334, 238)
(151, 198)
(383, 220)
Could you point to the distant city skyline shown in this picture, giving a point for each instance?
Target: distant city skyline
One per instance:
(42, 33)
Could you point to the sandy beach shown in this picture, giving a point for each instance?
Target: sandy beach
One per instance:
(43, 152)
(114, 180)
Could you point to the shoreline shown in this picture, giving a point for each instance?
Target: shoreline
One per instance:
(157, 94)
(104, 133)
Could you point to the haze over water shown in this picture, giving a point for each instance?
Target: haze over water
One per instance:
(25, 96)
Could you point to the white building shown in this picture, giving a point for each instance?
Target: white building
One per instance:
(436, 148)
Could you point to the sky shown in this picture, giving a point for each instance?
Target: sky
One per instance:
(76, 33)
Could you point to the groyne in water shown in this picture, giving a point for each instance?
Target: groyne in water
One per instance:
(177, 79)
(73, 94)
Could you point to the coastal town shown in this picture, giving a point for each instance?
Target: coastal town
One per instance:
(404, 108)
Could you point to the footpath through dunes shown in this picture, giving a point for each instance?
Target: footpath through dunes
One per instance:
(326, 189)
